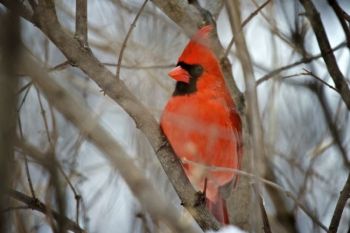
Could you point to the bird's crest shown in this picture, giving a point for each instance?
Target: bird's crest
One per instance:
(199, 51)
(202, 36)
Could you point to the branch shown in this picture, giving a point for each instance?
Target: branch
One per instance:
(133, 24)
(307, 72)
(326, 51)
(19, 8)
(37, 205)
(265, 219)
(253, 131)
(81, 25)
(116, 89)
(182, 13)
(283, 215)
(302, 61)
(341, 15)
(268, 183)
(334, 130)
(344, 196)
(73, 110)
(244, 23)
(10, 53)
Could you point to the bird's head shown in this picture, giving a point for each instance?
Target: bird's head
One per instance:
(196, 60)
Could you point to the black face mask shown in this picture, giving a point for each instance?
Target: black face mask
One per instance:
(195, 72)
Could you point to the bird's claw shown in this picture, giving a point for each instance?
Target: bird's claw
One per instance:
(200, 199)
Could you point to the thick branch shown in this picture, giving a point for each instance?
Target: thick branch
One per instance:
(253, 134)
(19, 8)
(9, 47)
(182, 13)
(83, 119)
(118, 91)
(264, 217)
(326, 51)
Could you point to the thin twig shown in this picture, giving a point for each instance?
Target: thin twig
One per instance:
(265, 219)
(244, 23)
(35, 204)
(60, 66)
(43, 114)
(24, 88)
(77, 196)
(302, 61)
(29, 178)
(133, 24)
(265, 181)
(24, 98)
(333, 129)
(307, 72)
(24, 207)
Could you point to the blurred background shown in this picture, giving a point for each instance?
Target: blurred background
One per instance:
(305, 122)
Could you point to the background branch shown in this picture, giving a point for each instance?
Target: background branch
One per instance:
(326, 51)
(37, 205)
(81, 22)
(10, 52)
(338, 211)
(133, 24)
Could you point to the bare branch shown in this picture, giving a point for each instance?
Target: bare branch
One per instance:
(307, 72)
(81, 24)
(118, 91)
(289, 66)
(29, 178)
(341, 15)
(244, 23)
(338, 211)
(19, 8)
(326, 51)
(266, 224)
(133, 24)
(10, 52)
(37, 205)
(269, 183)
(182, 13)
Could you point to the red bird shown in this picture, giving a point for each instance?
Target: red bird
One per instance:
(201, 122)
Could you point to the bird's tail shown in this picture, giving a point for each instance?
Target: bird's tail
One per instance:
(219, 210)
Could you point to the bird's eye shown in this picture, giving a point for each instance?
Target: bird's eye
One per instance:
(196, 70)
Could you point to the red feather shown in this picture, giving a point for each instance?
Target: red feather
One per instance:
(201, 122)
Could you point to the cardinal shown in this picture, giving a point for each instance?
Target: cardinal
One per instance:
(202, 124)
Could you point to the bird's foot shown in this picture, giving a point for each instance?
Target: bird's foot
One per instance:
(201, 196)
(200, 199)
(165, 143)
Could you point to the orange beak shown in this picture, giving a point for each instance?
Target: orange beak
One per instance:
(180, 74)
